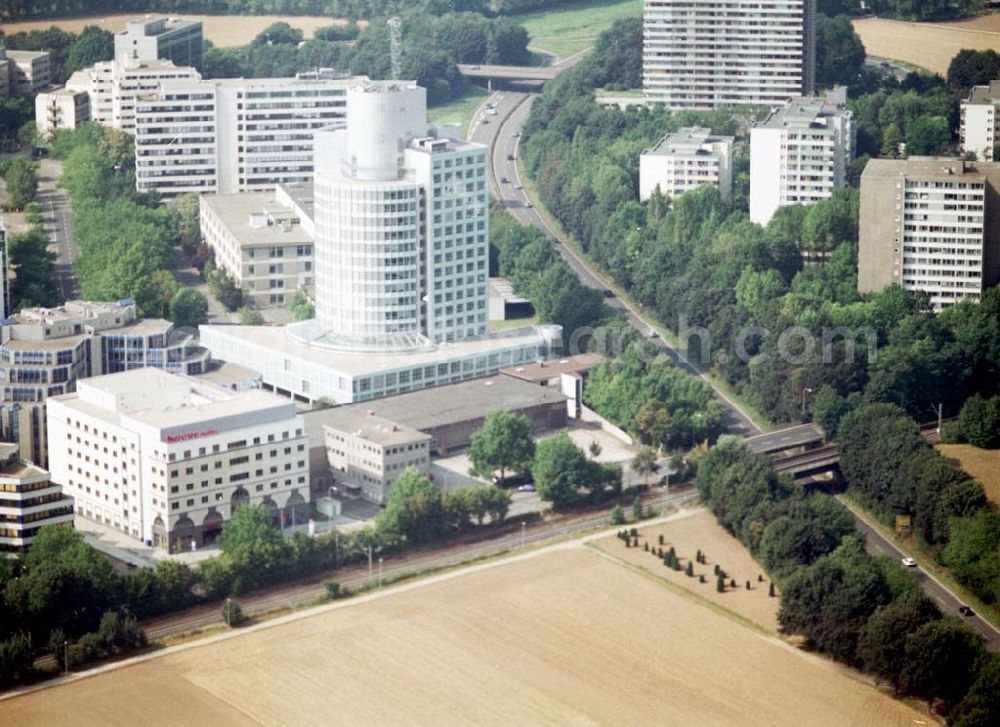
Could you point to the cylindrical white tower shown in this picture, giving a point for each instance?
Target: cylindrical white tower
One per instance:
(367, 220)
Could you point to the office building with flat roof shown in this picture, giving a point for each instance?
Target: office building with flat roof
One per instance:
(263, 240)
(705, 54)
(168, 459)
(978, 128)
(61, 108)
(687, 159)
(45, 351)
(29, 501)
(932, 225)
(401, 256)
(800, 153)
(171, 39)
(223, 136)
(28, 72)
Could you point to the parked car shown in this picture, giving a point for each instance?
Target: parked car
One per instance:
(528, 204)
(503, 180)
(966, 611)
(510, 157)
(909, 562)
(513, 480)
(491, 112)
(653, 333)
(518, 186)
(526, 488)
(608, 293)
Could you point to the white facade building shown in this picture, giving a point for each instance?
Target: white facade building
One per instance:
(930, 225)
(686, 160)
(28, 71)
(978, 130)
(401, 249)
(703, 54)
(61, 108)
(112, 88)
(800, 153)
(234, 135)
(167, 459)
(263, 240)
(145, 41)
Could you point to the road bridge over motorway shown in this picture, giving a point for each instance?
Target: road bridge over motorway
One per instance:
(538, 74)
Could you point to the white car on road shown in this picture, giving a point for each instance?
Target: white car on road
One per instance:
(909, 562)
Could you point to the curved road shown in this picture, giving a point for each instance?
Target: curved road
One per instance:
(502, 133)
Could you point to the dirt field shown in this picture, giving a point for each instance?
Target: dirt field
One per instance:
(701, 532)
(928, 45)
(224, 31)
(983, 464)
(563, 636)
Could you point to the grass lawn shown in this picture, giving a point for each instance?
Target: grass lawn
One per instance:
(982, 464)
(565, 31)
(459, 111)
(512, 323)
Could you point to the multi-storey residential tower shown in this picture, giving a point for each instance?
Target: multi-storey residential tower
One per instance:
(685, 160)
(800, 154)
(703, 54)
(29, 500)
(45, 351)
(932, 225)
(61, 108)
(980, 121)
(168, 459)
(233, 135)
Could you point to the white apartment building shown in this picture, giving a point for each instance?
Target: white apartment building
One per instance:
(145, 41)
(263, 240)
(401, 255)
(61, 108)
(978, 129)
(703, 54)
(685, 160)
(29, 500)
(112, 88)
(28, 71)
(369, 452)
(234, 135)
(800, 153)
(930, 224)
(167, 459)
(44, 351)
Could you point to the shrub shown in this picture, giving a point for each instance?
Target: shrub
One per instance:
(732, 583)
(617, 516)
(770, 589)
(689, 571)
(720, 584)
(661, 538)
(701, 578)
(232, 614)
(333, 590)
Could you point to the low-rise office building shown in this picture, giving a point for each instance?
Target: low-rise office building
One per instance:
(263, 240)
(931, 225)
(29, 501)
(45, 351)
(369, 452)
(61, 108)
(172, 39)
(690, 158)
(168, 459)
(234, 134)
(800, 153)
(28, 71)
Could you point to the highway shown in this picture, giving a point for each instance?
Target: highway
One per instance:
(801, 435)
(502, 133)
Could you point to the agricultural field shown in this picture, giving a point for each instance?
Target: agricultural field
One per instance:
(225, 31)
(563, 635)
(565, 31)
(982, 464)
(927, 45)
(687, 537)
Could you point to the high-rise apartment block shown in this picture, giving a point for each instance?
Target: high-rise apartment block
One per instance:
(45, 351)
(168, 459)
(703, 54)
(800, 153)
(112, 88)
(931, 225)
(145, 41)
(29, 501)
(979, 122)
(233, 135)
(263, 240)
(690, 158)
(401, 251)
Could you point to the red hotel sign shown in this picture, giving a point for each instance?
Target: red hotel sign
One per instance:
(186, 436)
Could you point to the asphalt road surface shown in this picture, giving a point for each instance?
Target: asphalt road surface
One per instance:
(502, 133)
(56, 209)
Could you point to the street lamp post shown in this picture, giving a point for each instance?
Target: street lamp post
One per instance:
(805, 391)
(380, 572)
(229, 612)
(523, 526)
(66, 657)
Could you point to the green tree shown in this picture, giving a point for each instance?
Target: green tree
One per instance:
(941, 661)
(928, 135)
(414, 509)
(22, 182)
(505, 442)
(979, 421)
(33, 283)
(840, 55)
(981, 705)
(252, 545)
(188, 308)
(92, 45)
(644, 463)
(560, 469)
(882, 643)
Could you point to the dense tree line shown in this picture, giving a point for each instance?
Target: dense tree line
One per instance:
(68, 52)
(891, 470)
(126, 240)
(731, 287)
(860, 610)
(661, 405)
(978, 423)
(30, 262)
